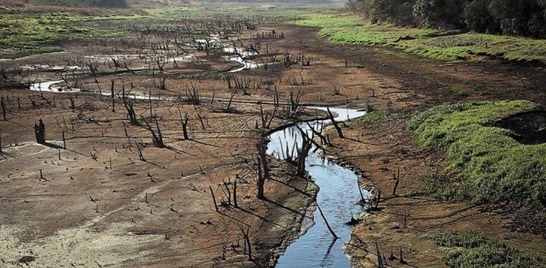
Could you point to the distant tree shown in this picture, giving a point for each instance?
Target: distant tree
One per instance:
(520, 17)
(440, 13)
(478, 18)
(508, 14)
(508, 17)
(359, 6)
(395, 11)
(111, 3)
(537, 21)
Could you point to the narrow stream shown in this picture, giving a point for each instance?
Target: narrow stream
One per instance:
(337, 198)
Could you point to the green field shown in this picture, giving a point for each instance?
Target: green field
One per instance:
(441, 45)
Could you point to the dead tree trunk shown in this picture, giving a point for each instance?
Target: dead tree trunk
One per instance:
(295, 101)
(39, 132)
(227, 192)
(379, 257)
(64, 141)
(336, 124)
(157, 138)
(248, 246)
(113, 96)
(159, 135)
(261, 180)
(262, 154)
(184, 122)
(326, 222)
(72, 104)
(323, 139)
(228, 107)
(131, 113)
(213, 199)
(303, 152)
(127, 135)
(396, 182)
(235, 194)
(267, 118)
(3, 108)
(1, 152)
(139, 150)
(202, 121)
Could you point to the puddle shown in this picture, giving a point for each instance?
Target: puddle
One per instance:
(52, 86)
(45, 67)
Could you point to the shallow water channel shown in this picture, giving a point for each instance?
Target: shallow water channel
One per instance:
(337, 197)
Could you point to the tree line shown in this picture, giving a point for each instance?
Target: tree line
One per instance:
(507, 17)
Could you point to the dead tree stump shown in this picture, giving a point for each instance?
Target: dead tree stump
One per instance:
(39, 131)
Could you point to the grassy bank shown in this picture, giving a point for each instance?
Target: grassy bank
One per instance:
(494, 167)
(472, 250)
(441, 45)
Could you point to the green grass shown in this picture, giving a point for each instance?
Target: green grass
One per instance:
(353, 29)
(472, 250)
(23, 34)
(441, 45)
(374, 117)
(444, 188)
(459, 92)
(494, 167)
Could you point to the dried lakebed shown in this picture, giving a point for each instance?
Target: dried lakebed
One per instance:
(338, 195)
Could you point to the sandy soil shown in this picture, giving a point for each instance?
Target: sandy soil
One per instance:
(97, 204)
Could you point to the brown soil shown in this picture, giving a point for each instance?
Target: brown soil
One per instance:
(98, 204)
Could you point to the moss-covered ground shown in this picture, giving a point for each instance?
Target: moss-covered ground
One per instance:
(494, 167)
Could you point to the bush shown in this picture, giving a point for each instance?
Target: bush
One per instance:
(472, 250)
(463, 239)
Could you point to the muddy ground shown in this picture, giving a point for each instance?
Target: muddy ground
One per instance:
(96, 203)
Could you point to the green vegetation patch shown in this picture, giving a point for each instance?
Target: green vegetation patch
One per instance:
(472, 250)
(374, 117)
(344, 28)
(495, 168)
(435, 44)
(23, 34)
(444, 188)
